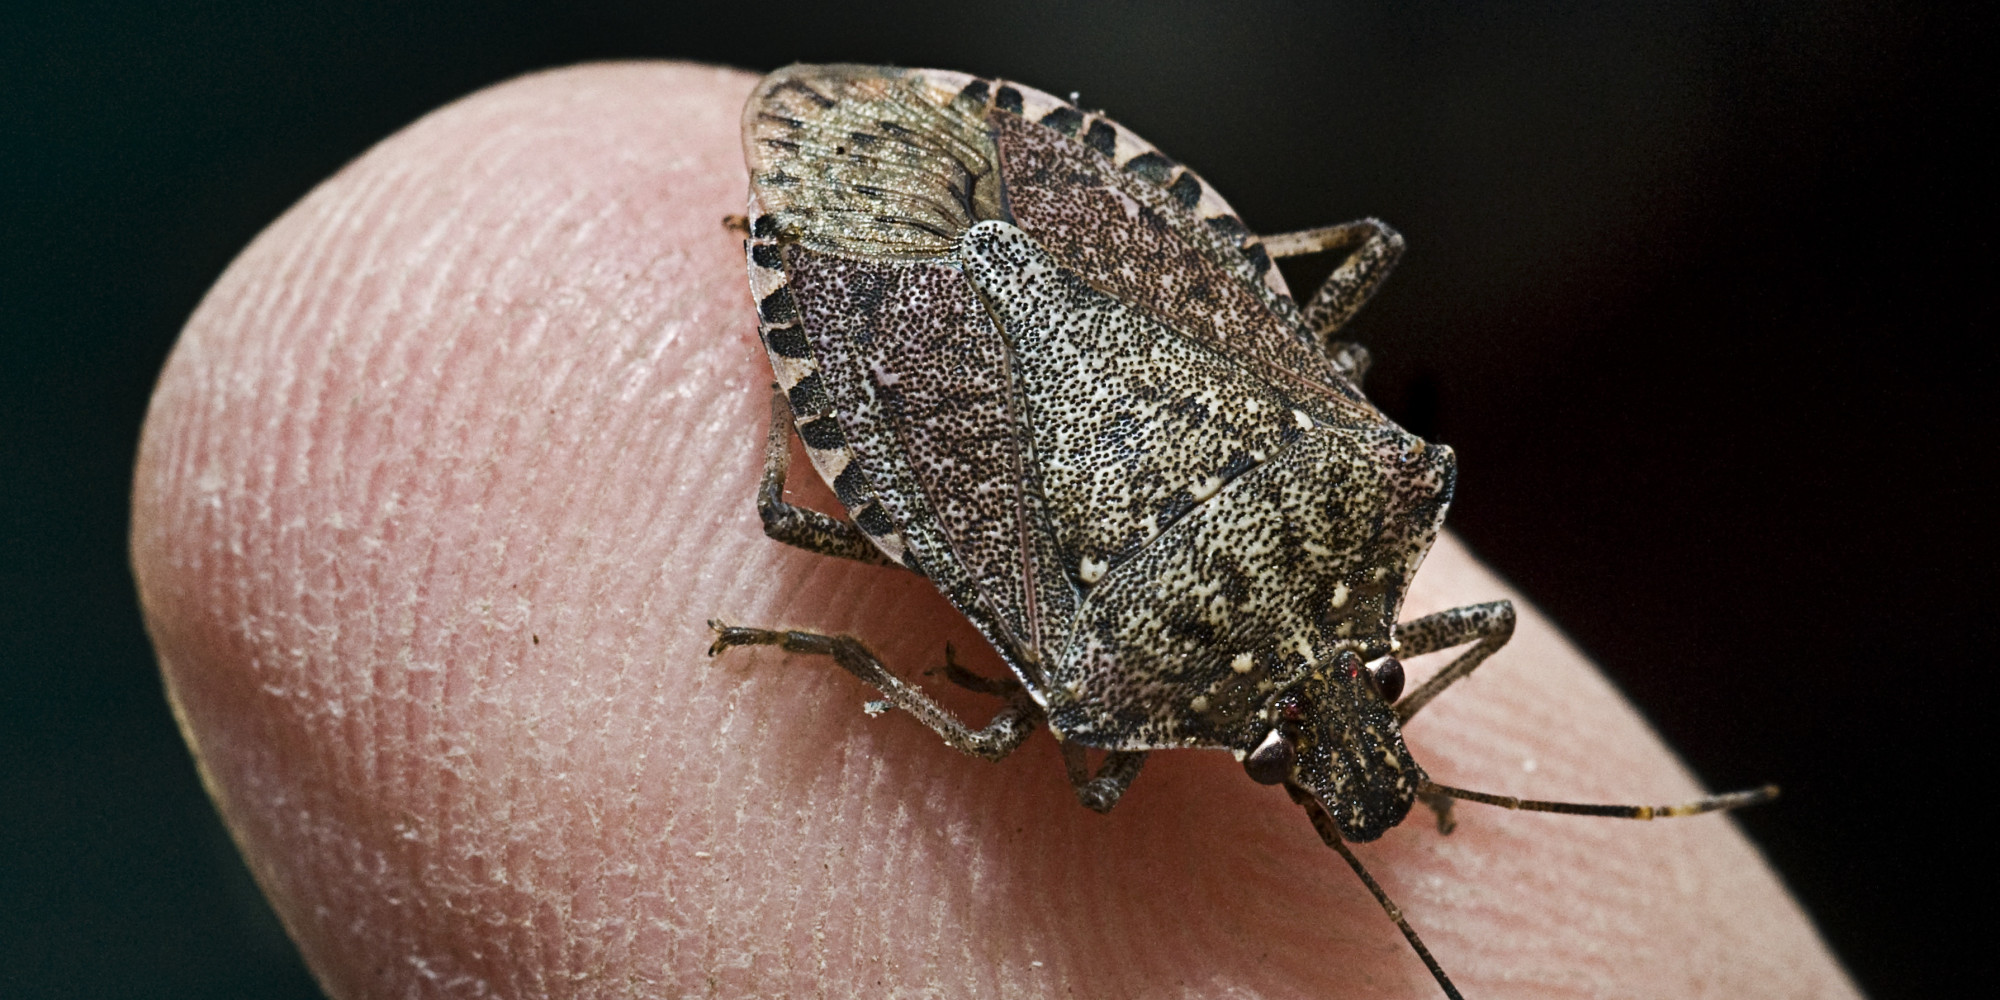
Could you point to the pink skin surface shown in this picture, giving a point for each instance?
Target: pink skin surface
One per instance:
(436, 494)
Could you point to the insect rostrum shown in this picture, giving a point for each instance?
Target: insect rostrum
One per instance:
(1047, 367)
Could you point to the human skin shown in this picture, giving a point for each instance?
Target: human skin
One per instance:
(436, 495)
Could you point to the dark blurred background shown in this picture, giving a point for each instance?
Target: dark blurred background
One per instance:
(1698, 290)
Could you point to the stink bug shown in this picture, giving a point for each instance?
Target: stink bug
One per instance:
(1047, 367)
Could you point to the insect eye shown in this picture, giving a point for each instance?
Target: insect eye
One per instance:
(1291, 708)
(1387, 675)
(1271, 762)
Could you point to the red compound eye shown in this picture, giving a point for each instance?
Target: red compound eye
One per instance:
(1291, 708)
(1349, 662)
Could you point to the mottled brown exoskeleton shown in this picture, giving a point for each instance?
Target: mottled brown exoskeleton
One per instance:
(1048, 368)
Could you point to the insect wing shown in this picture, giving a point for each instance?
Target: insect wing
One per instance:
(916, 383)
(866, 161)
(862, 180)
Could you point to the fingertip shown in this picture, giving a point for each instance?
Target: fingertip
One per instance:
(431, 485)
(438, 503)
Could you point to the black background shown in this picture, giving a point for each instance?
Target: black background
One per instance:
(1699, 291)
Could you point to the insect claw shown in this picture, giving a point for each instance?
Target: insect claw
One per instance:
(727, 635)
(1441, 805)
(1095, 798)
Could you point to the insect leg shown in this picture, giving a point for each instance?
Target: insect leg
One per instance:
(1372, 249)
(998, 687)
(1009, 727)
(1114, 775)
(1099, 792)
(801, 526)
(1490, 624)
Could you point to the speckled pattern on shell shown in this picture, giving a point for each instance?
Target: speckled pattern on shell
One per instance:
(1048, 367)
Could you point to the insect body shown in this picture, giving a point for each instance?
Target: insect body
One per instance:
(1048, 368)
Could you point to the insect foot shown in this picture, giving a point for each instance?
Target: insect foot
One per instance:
(1050, 369)
(997, 739)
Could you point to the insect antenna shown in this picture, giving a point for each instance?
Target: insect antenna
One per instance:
(1708, 803)
(1329, 831)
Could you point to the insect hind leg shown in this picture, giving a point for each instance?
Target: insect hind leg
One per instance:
(1000, 737)
(803, 527)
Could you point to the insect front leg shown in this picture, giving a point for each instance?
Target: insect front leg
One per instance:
(803, 527)
(1103, 790)
(1488, 626)
(1372, 249)
(998, 739)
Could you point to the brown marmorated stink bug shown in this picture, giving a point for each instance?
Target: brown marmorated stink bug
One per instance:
(1047, 367)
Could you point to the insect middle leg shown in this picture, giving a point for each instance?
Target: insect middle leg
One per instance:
(797, 526)
(999, 738)
(1372, 250)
